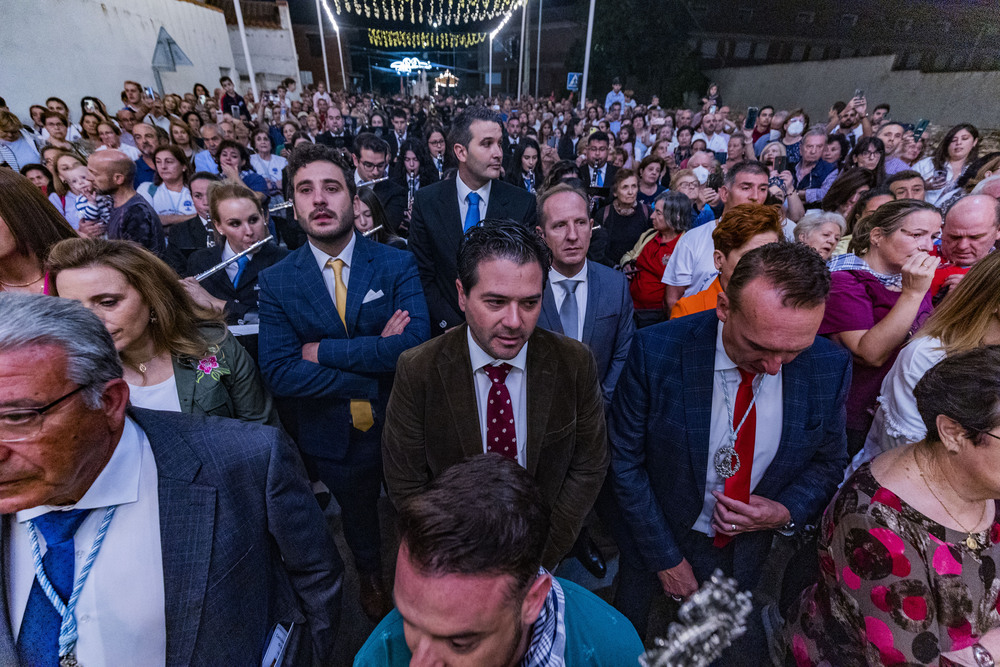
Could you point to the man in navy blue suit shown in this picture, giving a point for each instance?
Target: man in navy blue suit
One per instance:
(334, 317)
(727, 426)
(200, 533)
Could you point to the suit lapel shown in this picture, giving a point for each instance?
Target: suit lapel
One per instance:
(314, 289)
(450, 235)
(550, 316)
(456, 375)
(594, 286)
(540, 387)
(362, 273)
(698, 371)
(8, 651)
(497, 206)
(187, 525)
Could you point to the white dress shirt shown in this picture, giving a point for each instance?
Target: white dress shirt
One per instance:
(559, 292)
(463, 205)
(120, 614)
(347, 254)
(233, 269)
(603, 171)
(768, 434)
(516, 381)
(717, 143)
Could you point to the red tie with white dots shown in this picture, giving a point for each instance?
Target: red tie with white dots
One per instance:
(500, 433)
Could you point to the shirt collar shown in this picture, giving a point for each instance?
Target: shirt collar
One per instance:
(556, 277)
(481, 357)
(228, 252)
(347, 254)
(117, 483)
(464, 190)
(722, 360)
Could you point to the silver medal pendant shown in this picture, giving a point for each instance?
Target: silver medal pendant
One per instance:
(69, 660)
(727, 461)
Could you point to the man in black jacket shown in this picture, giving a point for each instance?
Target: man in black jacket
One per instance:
(442, 212)
(194, 233)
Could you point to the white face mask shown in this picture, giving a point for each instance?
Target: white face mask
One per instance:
(701, 173)
(796, 127)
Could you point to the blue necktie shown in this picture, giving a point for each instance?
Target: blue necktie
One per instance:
(600, 178)
(569, 312)
(241, 264)
(472, 215)
(38, 638)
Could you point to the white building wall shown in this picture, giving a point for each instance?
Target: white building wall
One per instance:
(74, 48)
(945, 98)
(272, 53)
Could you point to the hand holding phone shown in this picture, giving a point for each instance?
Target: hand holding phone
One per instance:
(780, 163)
(751, 121)
(921, 127)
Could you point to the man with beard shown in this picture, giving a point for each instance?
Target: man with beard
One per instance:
(147, 141)
(444, 211)
(132, 218)
(500, 384)
(334, 317)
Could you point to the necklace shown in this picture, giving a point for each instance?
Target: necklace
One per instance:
(141, 366)
(6, 284)
(971, 541)
(727, 460)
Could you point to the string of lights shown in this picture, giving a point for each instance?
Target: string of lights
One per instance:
(496, 31)
(434, 13)
(415, 40)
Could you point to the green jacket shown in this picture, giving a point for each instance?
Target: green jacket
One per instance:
(226, 383)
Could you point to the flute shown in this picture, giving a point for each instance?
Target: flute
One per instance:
(371, 231)
(223, 264)
(290, 203)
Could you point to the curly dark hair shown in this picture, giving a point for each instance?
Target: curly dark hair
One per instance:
(306, 154)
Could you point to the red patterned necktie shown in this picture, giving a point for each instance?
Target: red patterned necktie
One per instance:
(500, 434)
(738, 486)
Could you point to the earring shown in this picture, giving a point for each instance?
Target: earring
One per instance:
(152, 317)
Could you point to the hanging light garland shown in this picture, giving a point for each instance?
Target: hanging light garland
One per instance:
(427, 12)
(392, 39)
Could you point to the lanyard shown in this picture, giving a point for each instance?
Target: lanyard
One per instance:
(67, 631)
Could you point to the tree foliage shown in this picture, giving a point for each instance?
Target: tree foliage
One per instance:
(643, 43)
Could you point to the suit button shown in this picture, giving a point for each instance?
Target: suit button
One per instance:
(443, 324)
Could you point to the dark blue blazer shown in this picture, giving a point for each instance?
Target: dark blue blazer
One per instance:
(296, 308)
(244, 544)
(659, 432)
(607, 325)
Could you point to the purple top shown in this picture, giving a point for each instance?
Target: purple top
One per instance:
(857, 302)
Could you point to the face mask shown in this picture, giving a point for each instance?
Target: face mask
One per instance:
(701, 173)
(796, 127)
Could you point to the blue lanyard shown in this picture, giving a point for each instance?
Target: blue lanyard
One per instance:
(67, 632)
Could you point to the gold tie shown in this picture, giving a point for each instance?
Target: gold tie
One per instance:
(361, 409)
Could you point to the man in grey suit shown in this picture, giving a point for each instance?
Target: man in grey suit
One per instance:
(583, 300)
(200, 535)
(588, 302)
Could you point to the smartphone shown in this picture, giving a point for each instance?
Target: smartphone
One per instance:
(751, 121)
(234, 110)
(89, 105)
(859, 93)
(712, 109)
(780, 163)
(202, 98)
(149, 91)
(921, 127)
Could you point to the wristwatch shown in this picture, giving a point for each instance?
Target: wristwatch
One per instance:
(788, 529)
(982, 657)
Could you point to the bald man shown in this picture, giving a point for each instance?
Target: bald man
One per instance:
(132, 218)
(970, 232)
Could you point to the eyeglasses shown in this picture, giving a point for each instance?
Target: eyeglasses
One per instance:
(19, 424)
(995, 437)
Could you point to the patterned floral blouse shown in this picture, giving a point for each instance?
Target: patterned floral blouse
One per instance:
(895, 588)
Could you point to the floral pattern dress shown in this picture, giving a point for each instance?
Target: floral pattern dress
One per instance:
(895, 588)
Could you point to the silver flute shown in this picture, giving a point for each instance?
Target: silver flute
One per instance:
(223, 264)
(290, 203)
(371, 231)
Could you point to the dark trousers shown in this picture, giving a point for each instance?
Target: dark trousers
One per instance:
(356, 483)
(637, 587)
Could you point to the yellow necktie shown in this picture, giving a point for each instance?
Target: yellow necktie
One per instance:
(361, 409)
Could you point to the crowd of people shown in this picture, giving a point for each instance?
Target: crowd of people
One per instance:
(700, 333)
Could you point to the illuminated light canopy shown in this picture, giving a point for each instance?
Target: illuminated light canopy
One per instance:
(510, 12)
(407, 65)
(427, 12)
(419, 40)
